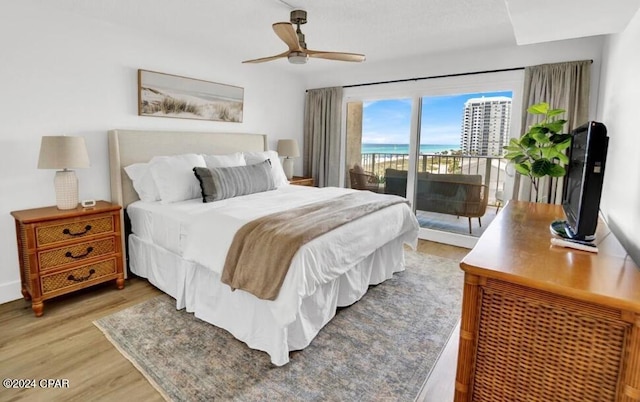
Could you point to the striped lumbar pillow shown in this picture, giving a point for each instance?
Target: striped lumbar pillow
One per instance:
(228, 182)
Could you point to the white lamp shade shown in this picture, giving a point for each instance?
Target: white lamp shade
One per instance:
(288, 148)
(63, 152)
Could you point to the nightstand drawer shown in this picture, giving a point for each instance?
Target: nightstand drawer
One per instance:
(69, 254)
(73, 229)
(77, 277)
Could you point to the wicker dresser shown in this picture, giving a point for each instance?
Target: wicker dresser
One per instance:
(64, 251)
(542, 323)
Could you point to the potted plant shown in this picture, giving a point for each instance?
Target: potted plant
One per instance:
(540, 151)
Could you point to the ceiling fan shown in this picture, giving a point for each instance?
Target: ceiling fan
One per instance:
(298, 52)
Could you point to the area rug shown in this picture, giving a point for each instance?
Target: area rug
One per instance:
(380, 348)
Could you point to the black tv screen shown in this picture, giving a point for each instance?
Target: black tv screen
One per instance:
(583, 181)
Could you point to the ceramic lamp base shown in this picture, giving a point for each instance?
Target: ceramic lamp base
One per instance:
(287, 166)
(66, 184)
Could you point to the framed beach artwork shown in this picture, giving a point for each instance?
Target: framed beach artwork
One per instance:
(166, 95)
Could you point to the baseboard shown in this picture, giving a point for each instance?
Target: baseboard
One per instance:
(10, 291)
(453, 239)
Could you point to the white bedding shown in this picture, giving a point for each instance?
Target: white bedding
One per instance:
(201, 233)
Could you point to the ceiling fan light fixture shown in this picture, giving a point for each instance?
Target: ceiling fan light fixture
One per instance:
(297, 58)
(298, 53)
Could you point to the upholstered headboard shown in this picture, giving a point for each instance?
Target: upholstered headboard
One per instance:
(133, 146)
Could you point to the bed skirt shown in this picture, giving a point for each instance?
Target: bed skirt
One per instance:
(249, 319)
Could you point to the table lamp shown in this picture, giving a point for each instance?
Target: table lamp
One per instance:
(64, 152)
(288, 149)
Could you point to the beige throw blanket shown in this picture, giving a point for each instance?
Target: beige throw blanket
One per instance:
(262, 250)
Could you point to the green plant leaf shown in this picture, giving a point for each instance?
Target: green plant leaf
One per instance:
(520, 159)
(526, 141)
(539, 108)
(513, 155)
(555, 126)
(563, 158)
(512, 148)
(541, 138)
(555, 112)
(536, 130)
(541, 167)
(556, 170)
(534, 152)
(547, 153)
(554, 153)
(563, 145)
(522, 168)
(560, 138)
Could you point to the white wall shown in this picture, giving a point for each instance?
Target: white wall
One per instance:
(469, 61)
(63, 74)
(618, 107)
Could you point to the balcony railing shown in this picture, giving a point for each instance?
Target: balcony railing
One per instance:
(491, 168)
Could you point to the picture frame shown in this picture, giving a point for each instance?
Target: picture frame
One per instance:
(168, 95)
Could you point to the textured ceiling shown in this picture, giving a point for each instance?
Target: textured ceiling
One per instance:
(568, 19)
(381, 29)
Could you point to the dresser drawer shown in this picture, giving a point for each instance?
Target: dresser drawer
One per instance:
(73, 229)
(77, 277)
(77, 252)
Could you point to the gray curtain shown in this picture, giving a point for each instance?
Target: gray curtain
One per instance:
(321, 149)
(562, 86)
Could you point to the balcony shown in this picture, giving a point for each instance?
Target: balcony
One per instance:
(490, 168)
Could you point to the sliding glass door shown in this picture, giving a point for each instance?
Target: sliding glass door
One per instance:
(440, 146)
(460, 178)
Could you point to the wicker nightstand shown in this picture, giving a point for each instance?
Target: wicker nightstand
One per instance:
(64, 251)
(302, 181)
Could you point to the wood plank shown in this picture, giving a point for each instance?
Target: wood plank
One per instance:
(64, 344)
(440, 385)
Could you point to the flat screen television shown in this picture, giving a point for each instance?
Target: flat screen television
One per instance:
(583, 182)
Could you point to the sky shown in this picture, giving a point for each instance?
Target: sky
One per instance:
(388, 121)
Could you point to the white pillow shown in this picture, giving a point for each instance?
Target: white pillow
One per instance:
(143, 183)
(230, 160)
(174, 177)
(279, 178)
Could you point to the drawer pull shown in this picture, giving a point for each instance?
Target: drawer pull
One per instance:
(73, 278)
(68, 254)
(68, 232)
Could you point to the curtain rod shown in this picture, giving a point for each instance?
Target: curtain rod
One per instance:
(437, 76)
(433, 77)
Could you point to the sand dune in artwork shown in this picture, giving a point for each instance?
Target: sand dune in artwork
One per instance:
(157, 102)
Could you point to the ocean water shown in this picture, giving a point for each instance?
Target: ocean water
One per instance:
(404, 148)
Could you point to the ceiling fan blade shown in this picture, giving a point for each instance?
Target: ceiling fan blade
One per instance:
(354, 57)
(263, 59)
(285, 31)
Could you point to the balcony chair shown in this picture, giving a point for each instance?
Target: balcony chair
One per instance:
(361, 180)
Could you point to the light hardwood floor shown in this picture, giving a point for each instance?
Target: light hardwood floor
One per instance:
(439, 387)
(64, 344)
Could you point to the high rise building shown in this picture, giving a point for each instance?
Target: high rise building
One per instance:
(485, 125)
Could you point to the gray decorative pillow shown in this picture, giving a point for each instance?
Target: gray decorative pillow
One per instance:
(228, 182)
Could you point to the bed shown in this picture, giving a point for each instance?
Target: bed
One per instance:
(179, 247)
